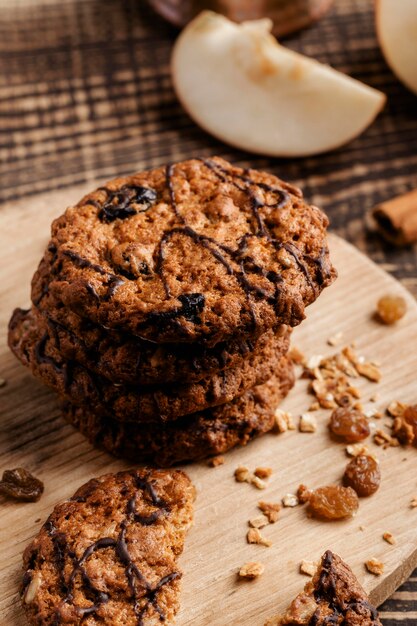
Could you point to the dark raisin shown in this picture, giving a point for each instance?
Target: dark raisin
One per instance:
(20, 484)
(363, 475)
(125, 202)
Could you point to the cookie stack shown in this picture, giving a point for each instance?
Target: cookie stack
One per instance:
(163, 306)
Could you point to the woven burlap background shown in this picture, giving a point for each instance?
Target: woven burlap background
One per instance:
(85, 94)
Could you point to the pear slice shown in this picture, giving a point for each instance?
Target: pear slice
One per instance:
(396, 25)
(242, 86)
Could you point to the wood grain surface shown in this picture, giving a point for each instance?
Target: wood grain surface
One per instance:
(85, 94)
(34, 436)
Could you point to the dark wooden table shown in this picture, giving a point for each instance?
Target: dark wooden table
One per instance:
(85, 94)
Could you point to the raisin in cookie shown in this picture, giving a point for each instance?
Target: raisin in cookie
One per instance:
(199, 251)
(108, 556)
(32, 346)
(210, 432)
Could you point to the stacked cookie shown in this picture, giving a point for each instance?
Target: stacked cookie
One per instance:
(163, 305)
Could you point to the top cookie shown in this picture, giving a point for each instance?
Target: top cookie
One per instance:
(197, 251)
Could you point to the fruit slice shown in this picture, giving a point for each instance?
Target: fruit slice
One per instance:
(396, 24)
(241, 85)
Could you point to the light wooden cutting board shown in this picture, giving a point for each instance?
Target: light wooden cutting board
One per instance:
(33, 435)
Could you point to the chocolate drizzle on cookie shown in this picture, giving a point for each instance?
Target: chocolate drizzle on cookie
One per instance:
(143, 593)
(260, 204)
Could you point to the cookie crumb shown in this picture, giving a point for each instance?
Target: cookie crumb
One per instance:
(2, 382)
(251, 570)
(263, 472)
(297, 356)
(303, 494)
(357, 449)
(259, 522)
(254, 536)
(374, 566)
(215, 461)
(369, 370)
(290, 500)
(270, 509)
(335, 339)
(283, 421)
(396, 408)
(242, 474)
(381, 438)
(308, 568)
(308, 423)
(258, 482)
(413, 503)
(389, 538)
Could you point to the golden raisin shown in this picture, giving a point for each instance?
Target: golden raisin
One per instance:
(390, 309)
(363, 475)
(333, 502)
(349, 424)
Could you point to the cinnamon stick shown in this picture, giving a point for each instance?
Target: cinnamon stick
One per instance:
(396, 219)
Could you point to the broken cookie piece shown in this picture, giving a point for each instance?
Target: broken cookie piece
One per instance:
(333, 596)
(108, 555)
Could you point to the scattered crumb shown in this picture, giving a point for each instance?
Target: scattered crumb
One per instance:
(308, 567)
(308, 423)
(216, 461)
(396, 409)
(283, 421)
(403, 430)
(242, 474)
(314, 361)
(358, 406)
(270, 509)
(369, 371)
(297, 356)
(330, 378)
(303, 494)
(251, 570)
(258, 522)
(254, 536)
(389, 538)
(374, 566)
(314, 406)
(258, 482)
(290, 500)
(381, 438)
(413, 503)
(2, 382)
(335, 339)
(263, 472)
(375, 397)
(362, 528)
(356, 449)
